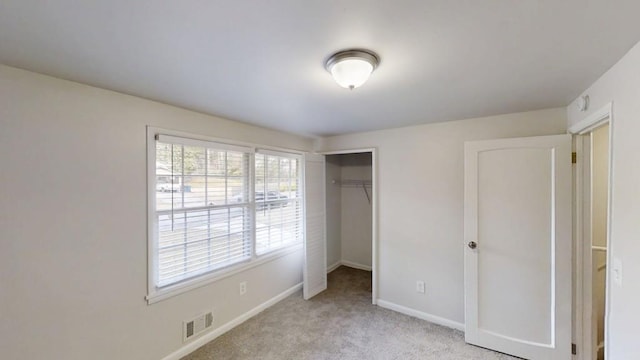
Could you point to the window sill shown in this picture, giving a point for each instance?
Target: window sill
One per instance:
(206, 279)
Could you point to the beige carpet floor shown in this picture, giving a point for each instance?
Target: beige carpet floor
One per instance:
(339, 323)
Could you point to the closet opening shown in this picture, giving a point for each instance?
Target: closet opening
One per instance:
(350, 226)
(595, 269)
(599, 238)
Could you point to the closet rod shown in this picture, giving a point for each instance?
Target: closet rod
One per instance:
(355, 183)
(351, 182)
(602, 267)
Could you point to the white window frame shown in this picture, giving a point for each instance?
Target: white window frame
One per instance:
(155, 293)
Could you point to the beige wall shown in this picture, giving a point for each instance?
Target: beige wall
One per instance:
(73, 220)
(621, 85)
(420, 192)
(356, 211)
(600, 185)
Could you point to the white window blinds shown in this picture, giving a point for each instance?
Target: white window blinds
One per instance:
(203, 215)
(278, 196)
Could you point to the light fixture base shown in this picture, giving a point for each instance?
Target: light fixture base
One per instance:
(367, 55)
(351, 68)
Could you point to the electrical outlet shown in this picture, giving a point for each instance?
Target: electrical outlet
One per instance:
(420, 286)
(243, 288)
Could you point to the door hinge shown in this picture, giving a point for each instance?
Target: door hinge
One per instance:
(574, 348)
(574, 158)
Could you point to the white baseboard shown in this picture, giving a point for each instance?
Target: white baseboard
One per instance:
(330, 268)
(355, 265)
(350, 264)
(421, 315)
(195, 344)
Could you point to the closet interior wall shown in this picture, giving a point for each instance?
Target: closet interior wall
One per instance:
(349, 210)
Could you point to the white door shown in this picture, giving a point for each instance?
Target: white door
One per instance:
(315, 245)
(517, 251)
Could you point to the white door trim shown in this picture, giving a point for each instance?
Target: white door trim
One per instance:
(593, 121)
(584, 293)
(374, 213)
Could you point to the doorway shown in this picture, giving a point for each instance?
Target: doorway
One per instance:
(350, 204)
(593, 192)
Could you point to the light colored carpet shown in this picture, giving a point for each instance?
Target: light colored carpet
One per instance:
(339, 323)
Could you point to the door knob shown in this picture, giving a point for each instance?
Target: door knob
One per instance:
(472, 244)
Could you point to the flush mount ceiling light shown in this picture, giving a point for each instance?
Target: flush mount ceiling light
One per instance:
(352, 68)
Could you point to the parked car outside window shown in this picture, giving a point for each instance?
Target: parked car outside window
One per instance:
(164, 184)
(273, 199)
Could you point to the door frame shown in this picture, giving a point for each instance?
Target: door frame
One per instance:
(374, 213)
(581, 132)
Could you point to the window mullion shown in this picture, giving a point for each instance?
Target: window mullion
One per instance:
(250, 173)
(186, 223)
(266, 199)
(181, 182)
(226, 189)
(206, 202)
(281, 210)
(173, 176)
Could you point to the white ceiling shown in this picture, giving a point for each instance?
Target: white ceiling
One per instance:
(261, 62)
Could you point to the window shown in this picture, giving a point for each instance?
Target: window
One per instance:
(216, 207)
(278, 201)
(200, 225)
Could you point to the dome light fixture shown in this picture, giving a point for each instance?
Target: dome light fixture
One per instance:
(352, 68)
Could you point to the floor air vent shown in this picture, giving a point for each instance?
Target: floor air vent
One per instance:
(196, 326)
